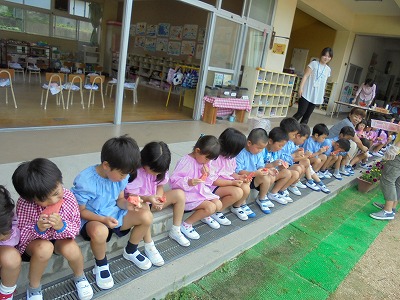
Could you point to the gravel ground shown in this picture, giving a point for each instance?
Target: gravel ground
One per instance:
(376, 275)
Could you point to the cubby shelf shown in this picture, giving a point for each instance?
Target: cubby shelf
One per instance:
(269, 92)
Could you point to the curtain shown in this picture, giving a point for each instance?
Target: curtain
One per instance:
(96, 13)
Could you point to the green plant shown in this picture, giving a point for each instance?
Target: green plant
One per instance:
(374, 173)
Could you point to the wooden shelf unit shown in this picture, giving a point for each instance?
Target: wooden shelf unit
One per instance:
(269, 92)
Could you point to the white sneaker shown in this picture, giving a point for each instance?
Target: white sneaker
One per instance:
(300, 185)
(36, 296)
(327, 174)
(277, 198)
(85, 291)
(103, 283)
(239, 212)
(312, 185)
(247, 210)
(153, 255)
(320, 175)
(337, 176)
(263, 206)
(285, 193)
(141, 261)
(286, 197)
(377, 154)
(294, 189)
(190, 232)
(210, 222)
(344, 172)
(179, 237)
(221, 219)
(324, 188)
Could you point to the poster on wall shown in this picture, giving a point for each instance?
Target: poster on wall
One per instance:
(132, 30)
(162, 44)
(279, 48)
(202, 34)
(140, 41)
(141, 28)
(150, 44)
(174, 48)
(190, 31)
(175, 33)
(188, 47)
(151, 30)
(163, 29)
(199, 51)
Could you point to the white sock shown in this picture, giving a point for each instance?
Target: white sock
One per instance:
(176, 228)
(148, 245)
(6, 289)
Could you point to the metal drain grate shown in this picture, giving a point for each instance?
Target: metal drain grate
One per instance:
(124, 271)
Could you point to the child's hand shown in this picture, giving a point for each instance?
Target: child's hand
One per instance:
(277, 163)
(56, 221)
(308, 154)
(205, 172)
(110, 222)
(157, 202)
(43, 223)
(300, 151)
(273, 172)
(236, 182)
(134, 202)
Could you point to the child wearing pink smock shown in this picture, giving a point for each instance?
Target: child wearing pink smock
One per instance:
(192, 175)
(232, 188)
(10, 259)
(379, 142)
(149, 185)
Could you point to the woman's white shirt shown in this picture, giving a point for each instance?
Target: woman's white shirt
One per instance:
(314, 87)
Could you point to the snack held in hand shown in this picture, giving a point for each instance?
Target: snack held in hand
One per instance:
(204, 177)
(251, 175)
(284, 164)
(162, 199)
(55, 208)
(135, 200)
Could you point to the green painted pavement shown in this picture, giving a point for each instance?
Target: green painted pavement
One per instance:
(307, 259)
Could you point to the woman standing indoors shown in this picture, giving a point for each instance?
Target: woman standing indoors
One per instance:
(312, 86)
(365, 93)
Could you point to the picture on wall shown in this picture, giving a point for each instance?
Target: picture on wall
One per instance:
(190, 31)
(141, 28)
(163, 29)
(188, 47)
(140, 41)
(151, 30)
(162, 44)
(132, 30)
(150, 44)
(202, 34)
(175, 33)
(174, 48)
(199, 51)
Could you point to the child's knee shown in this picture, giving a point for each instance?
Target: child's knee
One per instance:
(211, 207)
(42, 250)
(11, 259)
(237, 193)
(246, 189)
(98, 233)
(147, 218)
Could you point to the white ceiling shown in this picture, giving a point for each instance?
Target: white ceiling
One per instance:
(373, 7)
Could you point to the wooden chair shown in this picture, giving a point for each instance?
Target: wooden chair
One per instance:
(72, 80)
(19, 69)
(67, 65)
(32, 68)
(110, 84)
(95, 81)
(134, 90)
(52, 78)
(8, 74)
(80, 66)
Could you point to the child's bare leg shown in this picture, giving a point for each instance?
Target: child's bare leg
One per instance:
(263, 182)
(177, 199)
(246, 192)
(229, 195)
(40, 252)
(317, 165)
(98, 233)
(281, 179)
(10, 265)
(72, 253)
(205, 209)
(295, 175)
(141, 221)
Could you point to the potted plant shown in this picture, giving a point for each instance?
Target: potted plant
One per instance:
(370, 178)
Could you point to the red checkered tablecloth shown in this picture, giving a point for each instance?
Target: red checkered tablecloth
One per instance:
(226, 106)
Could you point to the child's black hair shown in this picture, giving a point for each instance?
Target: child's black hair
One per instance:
(6, 211)
(365, 142)
(363, 121)
(320, 129)
(278, 134)
(344, 144)
(36, 179)
(347, 130)
(122, 153)
(232, 141)
(157, 157)
(258, 135)
(304, 130)
(209, 146)
(290, 125)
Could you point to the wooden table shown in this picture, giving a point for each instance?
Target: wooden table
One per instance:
(214, 106)
(366, 108)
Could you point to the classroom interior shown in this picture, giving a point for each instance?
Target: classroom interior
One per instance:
(150, 60)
